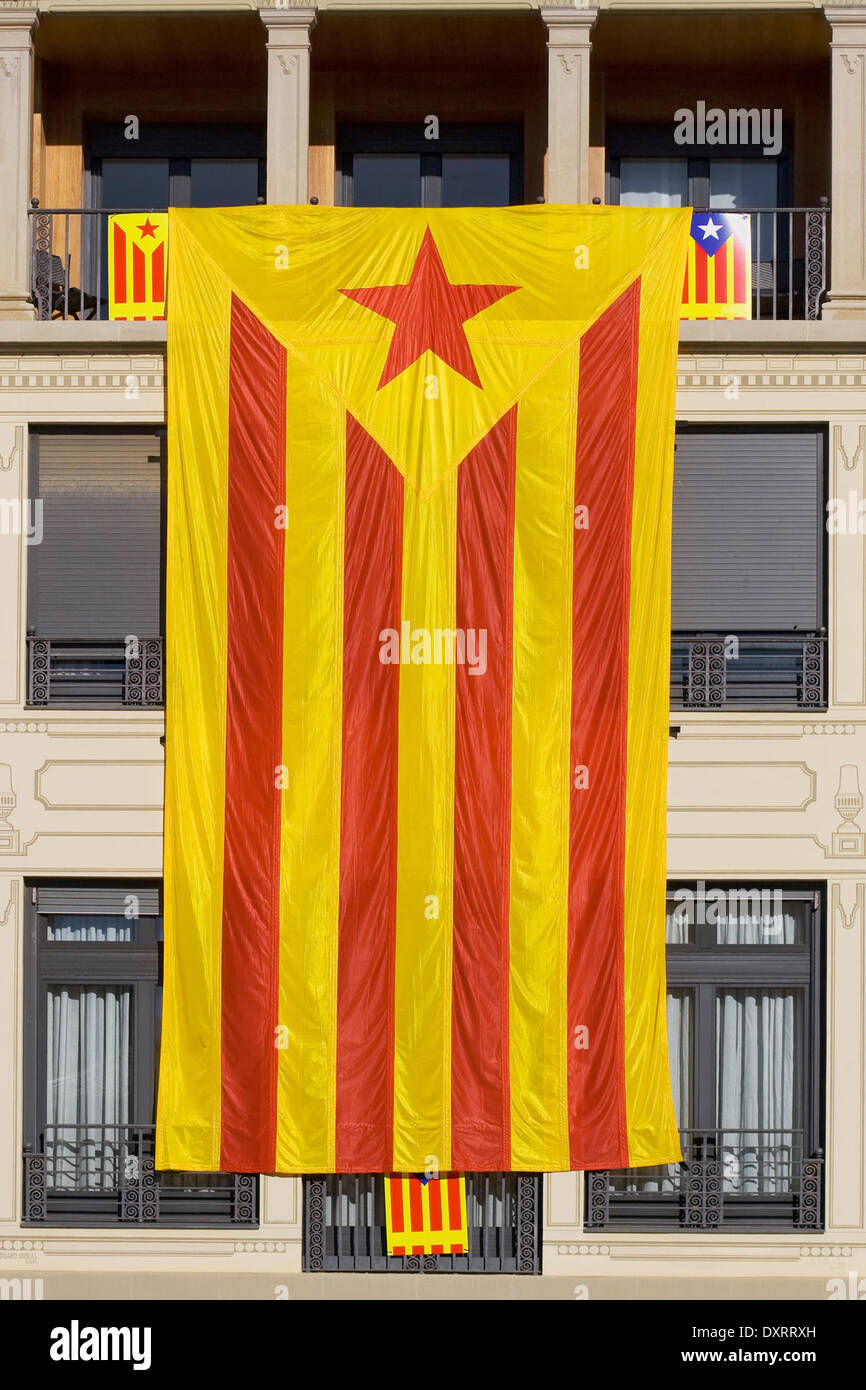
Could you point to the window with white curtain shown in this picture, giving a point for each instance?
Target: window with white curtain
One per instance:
(744, 1019)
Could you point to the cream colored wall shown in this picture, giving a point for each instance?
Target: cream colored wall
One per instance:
(751, 797)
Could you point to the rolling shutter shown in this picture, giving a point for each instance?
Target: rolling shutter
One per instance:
(97, 572)
(747, 531)
(95, 900)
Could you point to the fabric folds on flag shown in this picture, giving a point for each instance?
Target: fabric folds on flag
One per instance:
(426, 1216)
(420, 469)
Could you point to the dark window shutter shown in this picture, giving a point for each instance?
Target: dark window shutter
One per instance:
(95, 900)
(747, 531)
(97, 572)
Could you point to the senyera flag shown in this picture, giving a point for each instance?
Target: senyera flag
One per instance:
(718, 279)
(420, 469)
(137, 244)
(426, 1216)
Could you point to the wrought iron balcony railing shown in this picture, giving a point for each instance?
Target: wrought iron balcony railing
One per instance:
(344, 1226)
(94, 674)
(103, 1175)
(789, 261)
(69, 256)
(753, 1178)
(754, 671)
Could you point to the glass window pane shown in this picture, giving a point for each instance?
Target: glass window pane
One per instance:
(87, 1084)
(666, 1177)
(680, 918)
(386, 180)
(476, 180)
(653, 183)
(135, 183)
(76, 927)
(753, 917)
(758, 1047)
(223, 183)
(741, 184)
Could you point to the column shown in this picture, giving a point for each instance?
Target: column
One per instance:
(847, 297)
(16, 122)
(289, 30)
(568, 48)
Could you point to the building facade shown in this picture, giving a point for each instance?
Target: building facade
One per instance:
(749, 105)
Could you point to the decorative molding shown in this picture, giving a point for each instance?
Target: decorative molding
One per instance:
(852, 62)
(849, 463)
(84, 769)
(289, 63)
(847, 920)
(710, 775)
(17, 450)
(9, 835)
(9, 66)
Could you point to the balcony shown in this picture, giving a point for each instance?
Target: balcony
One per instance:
(344, 1227)
(770, 671)
(103, 1175)
(749, 1178)
(93, 674)
(69, 250)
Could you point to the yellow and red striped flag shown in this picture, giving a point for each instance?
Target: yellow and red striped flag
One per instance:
(426, 1216)
(137, 245)
(718, 282)
(420, 473)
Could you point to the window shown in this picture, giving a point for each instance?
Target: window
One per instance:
(745, 985)
(180, 165)
(93, 1006)
(344, 1227)
(396, 166)
(95, 582)
(748, 587)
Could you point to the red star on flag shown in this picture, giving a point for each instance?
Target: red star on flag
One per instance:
(429, 314)
(147, 228)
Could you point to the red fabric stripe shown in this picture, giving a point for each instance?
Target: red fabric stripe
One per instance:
(158, 270)
(398, 1221)
(742, 249)
(453, 1204)
(480, 1118)
(700, 275)
(119, 251)
(251, 904)
(416, 1211)
(720, 266)
(435, 1189)
(139, 293)
(372, 579)
(603, 483)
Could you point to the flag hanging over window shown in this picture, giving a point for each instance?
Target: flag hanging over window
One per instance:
(718, 283)
(420, 468)
(137, 265)
(426, 1216)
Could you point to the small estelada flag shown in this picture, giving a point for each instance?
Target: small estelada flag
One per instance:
(718, 282)
(136, 265)
(426, 1216)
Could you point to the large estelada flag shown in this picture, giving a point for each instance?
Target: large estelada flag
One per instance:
(419, 535)
(718, 279)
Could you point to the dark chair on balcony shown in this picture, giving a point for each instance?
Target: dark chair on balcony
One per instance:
(52, 293)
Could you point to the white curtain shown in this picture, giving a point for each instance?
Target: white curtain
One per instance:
(78, 927)
(666, 1177)
(759, 929)
(88, 1050)
(756, 1081)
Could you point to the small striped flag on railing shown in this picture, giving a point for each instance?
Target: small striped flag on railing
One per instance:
(426, 1216)
(718, 283)
(136, 265)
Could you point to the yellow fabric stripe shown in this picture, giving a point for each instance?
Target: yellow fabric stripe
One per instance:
(312, 725)
(188, 1118)
(652, 1132)
(543, 559)
(425, 841)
